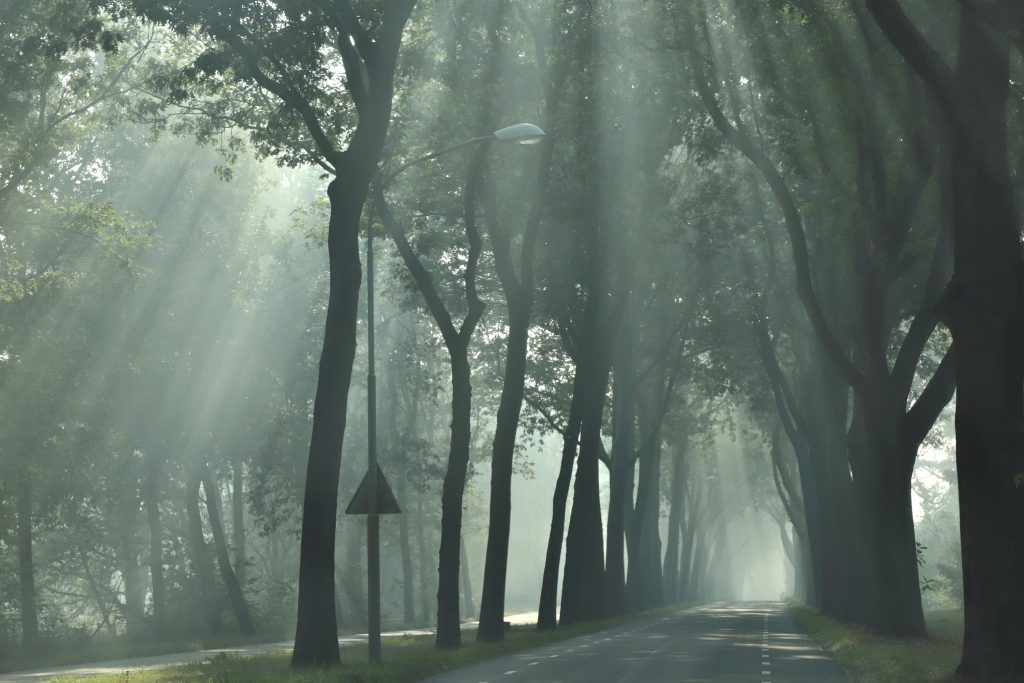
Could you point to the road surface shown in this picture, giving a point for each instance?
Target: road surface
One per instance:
(722, 643)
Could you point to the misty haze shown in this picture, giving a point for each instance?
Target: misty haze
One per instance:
(532, 341)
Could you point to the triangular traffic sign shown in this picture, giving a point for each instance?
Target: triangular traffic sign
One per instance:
(386, 503)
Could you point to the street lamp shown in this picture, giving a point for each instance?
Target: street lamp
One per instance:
(374, 497)
(521, 133)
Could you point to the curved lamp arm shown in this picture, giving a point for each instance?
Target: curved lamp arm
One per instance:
(521, 133)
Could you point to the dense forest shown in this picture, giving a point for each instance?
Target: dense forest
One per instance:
(674, 301)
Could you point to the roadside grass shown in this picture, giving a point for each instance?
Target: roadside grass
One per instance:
(67, 654)
(406, 659)
(873, 659)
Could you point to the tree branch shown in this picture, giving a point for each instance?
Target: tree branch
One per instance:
(793, 221)
(936, 395)
(416, 268)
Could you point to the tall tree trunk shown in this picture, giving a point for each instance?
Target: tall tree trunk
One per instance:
(670, 569)
(882, 470)
(316, 634)
(620, 482)
(547, 612)
(644, 582)
(151, 500)
(840, 593)
(236, 599)
(208, 602)
(456, 339)
(492, 599)
(583, 583)
(987, 321)
(26, 569)
(449, 632)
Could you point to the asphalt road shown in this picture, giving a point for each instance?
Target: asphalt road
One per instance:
(726, 642)
(734, 643)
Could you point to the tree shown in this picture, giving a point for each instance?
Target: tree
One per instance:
(286, 52)
(885, 434)
(984, 307)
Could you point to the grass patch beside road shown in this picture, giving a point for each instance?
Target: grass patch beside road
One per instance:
(406, 659)
(54, 654)
(873, 659)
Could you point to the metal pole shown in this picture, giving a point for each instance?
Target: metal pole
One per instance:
(372, 519)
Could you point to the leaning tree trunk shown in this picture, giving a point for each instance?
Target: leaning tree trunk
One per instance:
(547, 612)
(207, 601)
(236, 599)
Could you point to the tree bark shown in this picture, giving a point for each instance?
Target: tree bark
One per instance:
(316, 632)
(985, 312)
(207, 602)
(670, 570)
(621, 472)
(456, 340)
(492, 600)
(449, 632)
(987, 321)
(583, 582)
(644, 582)
(547, 611)
(236, 599)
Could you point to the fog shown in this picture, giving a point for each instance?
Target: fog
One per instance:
(665, 298)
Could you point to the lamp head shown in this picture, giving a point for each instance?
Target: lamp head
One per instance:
(522, 133)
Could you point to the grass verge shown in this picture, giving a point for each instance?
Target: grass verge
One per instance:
(56, 654)
(873, 659)
(406, 659)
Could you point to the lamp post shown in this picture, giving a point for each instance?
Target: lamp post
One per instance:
(374, 497)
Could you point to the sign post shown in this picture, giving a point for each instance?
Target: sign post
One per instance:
(374, 497)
